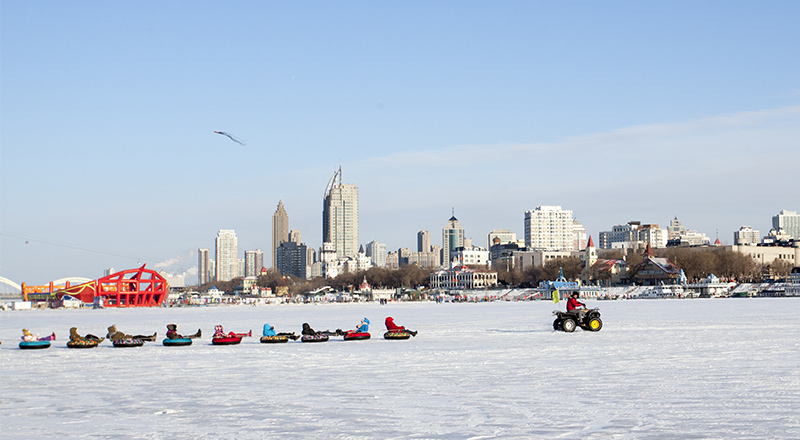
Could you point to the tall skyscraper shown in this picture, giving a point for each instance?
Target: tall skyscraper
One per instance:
(377, 251)
(789, 221)
(549, 228)
(423, 241)
(452, 238)
(293, 259)
(340, 216)
(253, 262)
(294, 236)
(280, 231)
(227, 253)
(202, 267)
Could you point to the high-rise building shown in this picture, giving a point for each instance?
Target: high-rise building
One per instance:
(280, 230)
(579, 236)
(452, 238)
(377, 252)
(633, 235)
(423, 241)
(550, 228)
(340, 216)
(403, 255)
(227, 253)
(253, 262)
(293, 259)
(789, 221)
(294, 236)
(746, 236)
(202, 267)
(504, 236)
(678, 235)
(675, 229)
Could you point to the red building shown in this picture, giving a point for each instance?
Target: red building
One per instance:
(130, 288)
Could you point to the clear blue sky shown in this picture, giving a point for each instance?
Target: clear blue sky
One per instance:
(617, 110)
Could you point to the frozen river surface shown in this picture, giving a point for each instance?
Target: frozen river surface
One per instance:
(659, 369)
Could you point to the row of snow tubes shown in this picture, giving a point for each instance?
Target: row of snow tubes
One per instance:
(182, 342)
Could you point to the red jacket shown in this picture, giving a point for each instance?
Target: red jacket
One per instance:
(392, 327)
(573, 304)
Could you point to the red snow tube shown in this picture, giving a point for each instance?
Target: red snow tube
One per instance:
(226, 341)
(356, 336)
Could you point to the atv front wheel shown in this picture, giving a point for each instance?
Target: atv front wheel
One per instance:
(595, 324)
(568, 325)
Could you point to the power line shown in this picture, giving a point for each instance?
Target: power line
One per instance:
(28, 238)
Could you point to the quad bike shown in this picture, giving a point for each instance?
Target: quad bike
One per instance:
(589, 320)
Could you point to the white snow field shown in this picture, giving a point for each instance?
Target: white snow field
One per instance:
(659, 369)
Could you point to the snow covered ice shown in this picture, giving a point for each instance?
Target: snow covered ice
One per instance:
(659, 369)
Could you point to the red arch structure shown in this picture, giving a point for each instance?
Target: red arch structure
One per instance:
(129, 288)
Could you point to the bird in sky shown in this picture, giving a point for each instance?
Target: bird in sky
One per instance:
(231, 137)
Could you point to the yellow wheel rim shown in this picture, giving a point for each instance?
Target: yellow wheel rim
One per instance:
(594, 324)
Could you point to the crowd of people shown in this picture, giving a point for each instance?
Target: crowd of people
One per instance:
(172, 333)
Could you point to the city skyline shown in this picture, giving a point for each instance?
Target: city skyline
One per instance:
(622, 112)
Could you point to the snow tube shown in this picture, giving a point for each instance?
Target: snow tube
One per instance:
(226, 341)
(356, 336)
(274, 339)
(34, 345)
(177, 342)
(124, 343)
(314, 338)
(83, 344)
(396, 335)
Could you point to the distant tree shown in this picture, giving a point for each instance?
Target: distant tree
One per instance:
(571, 266)
(225, 286)
(736, 266)
(780, 268)
(509, 276)
(531, 276)
(634, 258)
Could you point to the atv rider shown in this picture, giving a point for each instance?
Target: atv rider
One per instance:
(573, 306)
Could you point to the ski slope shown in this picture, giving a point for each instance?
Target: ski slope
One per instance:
(659, 369)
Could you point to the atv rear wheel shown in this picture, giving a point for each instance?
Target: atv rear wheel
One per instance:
(594, 324)
(568, 324)
(557, 324)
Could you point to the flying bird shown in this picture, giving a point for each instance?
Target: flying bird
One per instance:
(231, 137)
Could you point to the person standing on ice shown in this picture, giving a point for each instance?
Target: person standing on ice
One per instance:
(394, 328)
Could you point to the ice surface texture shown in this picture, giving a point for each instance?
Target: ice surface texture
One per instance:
(659, 369)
